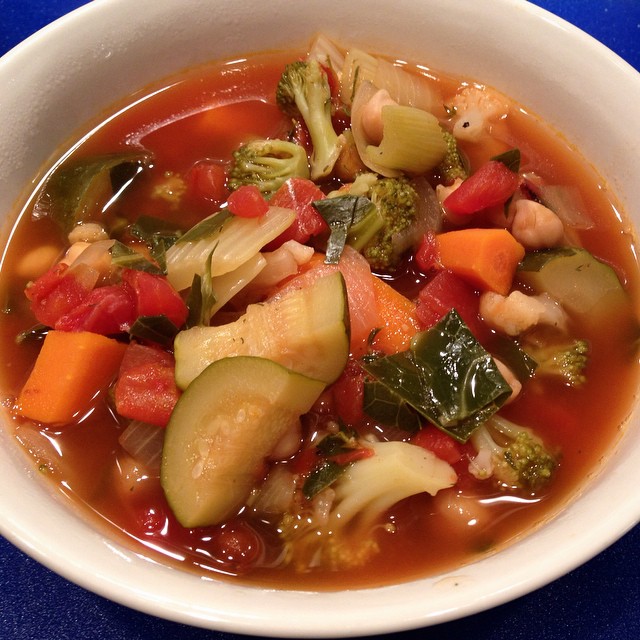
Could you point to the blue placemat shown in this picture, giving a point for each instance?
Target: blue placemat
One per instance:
(598, 601)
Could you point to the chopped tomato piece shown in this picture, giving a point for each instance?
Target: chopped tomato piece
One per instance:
(59, 291)
(445, 292)
(155, 296)
(298, 194)
(305, 461)
(106, 310)
(207, 180)
(438, 442)
(348, 393)
(427, 253)
(247, 202)
(146, 389)
(236, 545)
(492, 184)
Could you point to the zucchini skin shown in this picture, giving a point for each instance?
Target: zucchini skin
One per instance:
(225, 424)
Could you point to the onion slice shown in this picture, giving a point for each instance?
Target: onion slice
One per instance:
(143, 442)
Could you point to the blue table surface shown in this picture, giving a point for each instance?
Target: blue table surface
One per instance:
(598, 601)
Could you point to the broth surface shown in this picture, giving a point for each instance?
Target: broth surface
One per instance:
(205, 115)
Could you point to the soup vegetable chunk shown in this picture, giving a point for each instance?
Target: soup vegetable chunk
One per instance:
(319, 320)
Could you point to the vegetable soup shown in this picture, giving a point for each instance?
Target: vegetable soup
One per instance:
(319, 320)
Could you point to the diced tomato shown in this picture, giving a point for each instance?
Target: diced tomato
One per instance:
(492, 184)
(237, 545)
(146, 389)
(438, 442)
(151, 520)
(445, 292)
(427, 253)
(155, 296)
(305, 461)
(298, 194)
(348, 394)
(247, 202)
(207, 180)
(59, 291)
(106, 310)
(332, 80)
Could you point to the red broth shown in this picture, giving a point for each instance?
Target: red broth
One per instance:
(205, 115)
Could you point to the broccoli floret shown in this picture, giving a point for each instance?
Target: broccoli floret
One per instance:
(303, 92)
(452, 167)
(566, 361)
(337, 528)
(396, 201)
(512, 454)
(268, 164)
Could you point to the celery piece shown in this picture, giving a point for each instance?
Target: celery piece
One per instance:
(412, 140)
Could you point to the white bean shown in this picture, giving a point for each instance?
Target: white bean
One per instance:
(536, 226)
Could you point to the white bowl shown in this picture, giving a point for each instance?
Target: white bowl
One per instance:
(70, 71)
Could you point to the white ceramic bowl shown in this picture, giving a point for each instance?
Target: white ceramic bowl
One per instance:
(70, 71)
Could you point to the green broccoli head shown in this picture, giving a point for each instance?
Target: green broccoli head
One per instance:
(303, 92)
(396, 201)
(564, 361)
(452, 166)
(512, 454)
(267, 164)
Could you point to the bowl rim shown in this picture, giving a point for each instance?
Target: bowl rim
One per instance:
(109, 579)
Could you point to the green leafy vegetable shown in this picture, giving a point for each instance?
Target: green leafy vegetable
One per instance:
(321, 477)
(201, 297)
(341, 213)
(381, 401)
(343, 440)
(328, 471)
(124, 256)
(157, 234)
(206, 227)
(510, 158)
(84, 189)
(158, 329)
(446, 376)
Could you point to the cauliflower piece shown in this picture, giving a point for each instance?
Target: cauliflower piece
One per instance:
(337, 528)
(516, 313)
(475, 106)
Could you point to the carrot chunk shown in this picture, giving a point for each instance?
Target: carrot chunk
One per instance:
(398, 320)
(487, 258)
(70, 369)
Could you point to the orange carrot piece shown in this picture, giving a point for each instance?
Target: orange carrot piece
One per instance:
(487, 258)
(69, 370)
(397, 316)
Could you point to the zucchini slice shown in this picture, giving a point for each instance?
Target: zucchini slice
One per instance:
(223, 427)
(575, 278)
(306, 330)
